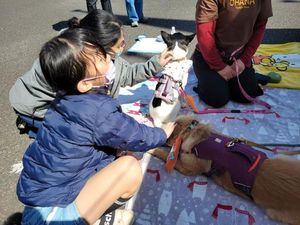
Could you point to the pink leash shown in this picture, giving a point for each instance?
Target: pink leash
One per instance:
(248, 97)
(253, 100)
(261, 111)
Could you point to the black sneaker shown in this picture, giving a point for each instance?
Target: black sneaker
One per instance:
(21, 124)
(144, 20)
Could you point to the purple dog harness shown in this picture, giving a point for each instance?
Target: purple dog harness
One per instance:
(227, 154)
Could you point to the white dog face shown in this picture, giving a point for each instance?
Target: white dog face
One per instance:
(177, 42)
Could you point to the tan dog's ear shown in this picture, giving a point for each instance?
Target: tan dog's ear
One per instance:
(200, 133)
(182, 122)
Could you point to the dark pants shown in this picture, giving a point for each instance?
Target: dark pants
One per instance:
(106, 5)
(30, 125)
(215, 91)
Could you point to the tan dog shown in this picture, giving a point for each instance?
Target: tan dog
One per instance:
(276, 186)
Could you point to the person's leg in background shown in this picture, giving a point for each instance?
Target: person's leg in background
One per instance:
(212, 88)
(139, 4)
(132, 13)
(91, 5)
(248, 82)
(106, 5)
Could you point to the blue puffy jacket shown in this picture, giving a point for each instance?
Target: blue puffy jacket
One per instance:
(72, 146)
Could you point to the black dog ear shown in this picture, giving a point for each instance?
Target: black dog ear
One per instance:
(189, 38)
(166, 37)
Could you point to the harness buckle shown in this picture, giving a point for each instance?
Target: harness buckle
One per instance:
(231, 143)
(179, 83)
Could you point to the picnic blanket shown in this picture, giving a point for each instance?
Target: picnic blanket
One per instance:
(147, 45)
(280, 58)
(174, 199)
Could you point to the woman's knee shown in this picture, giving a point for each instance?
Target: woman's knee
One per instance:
(215, 97)
(249, 85)
(215, 101)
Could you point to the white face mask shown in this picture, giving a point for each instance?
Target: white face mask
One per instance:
(111, 72)
(99, 88)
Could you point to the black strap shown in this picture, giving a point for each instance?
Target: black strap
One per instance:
(108, 216)
(108, 219)
(117, 204)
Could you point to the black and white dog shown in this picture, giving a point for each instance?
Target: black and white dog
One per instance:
(165, 103)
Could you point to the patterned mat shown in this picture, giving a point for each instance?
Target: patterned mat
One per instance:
(174, 199)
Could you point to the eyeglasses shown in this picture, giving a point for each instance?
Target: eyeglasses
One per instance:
(122, 44)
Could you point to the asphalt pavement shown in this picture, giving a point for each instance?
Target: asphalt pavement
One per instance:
(26, 24)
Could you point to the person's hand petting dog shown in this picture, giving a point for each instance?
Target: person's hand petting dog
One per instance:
(227, 73)
(165, 57)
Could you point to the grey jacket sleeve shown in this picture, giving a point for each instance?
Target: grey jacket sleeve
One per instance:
(130, 74)
(31, 95)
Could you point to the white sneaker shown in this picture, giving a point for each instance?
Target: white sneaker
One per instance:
(117, 217)
(135, 24)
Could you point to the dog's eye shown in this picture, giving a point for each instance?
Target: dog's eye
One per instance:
(194, 122)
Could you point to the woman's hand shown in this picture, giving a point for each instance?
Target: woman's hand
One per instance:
(227, 73)
(165, 57)
(168, 128)
(238, 64)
